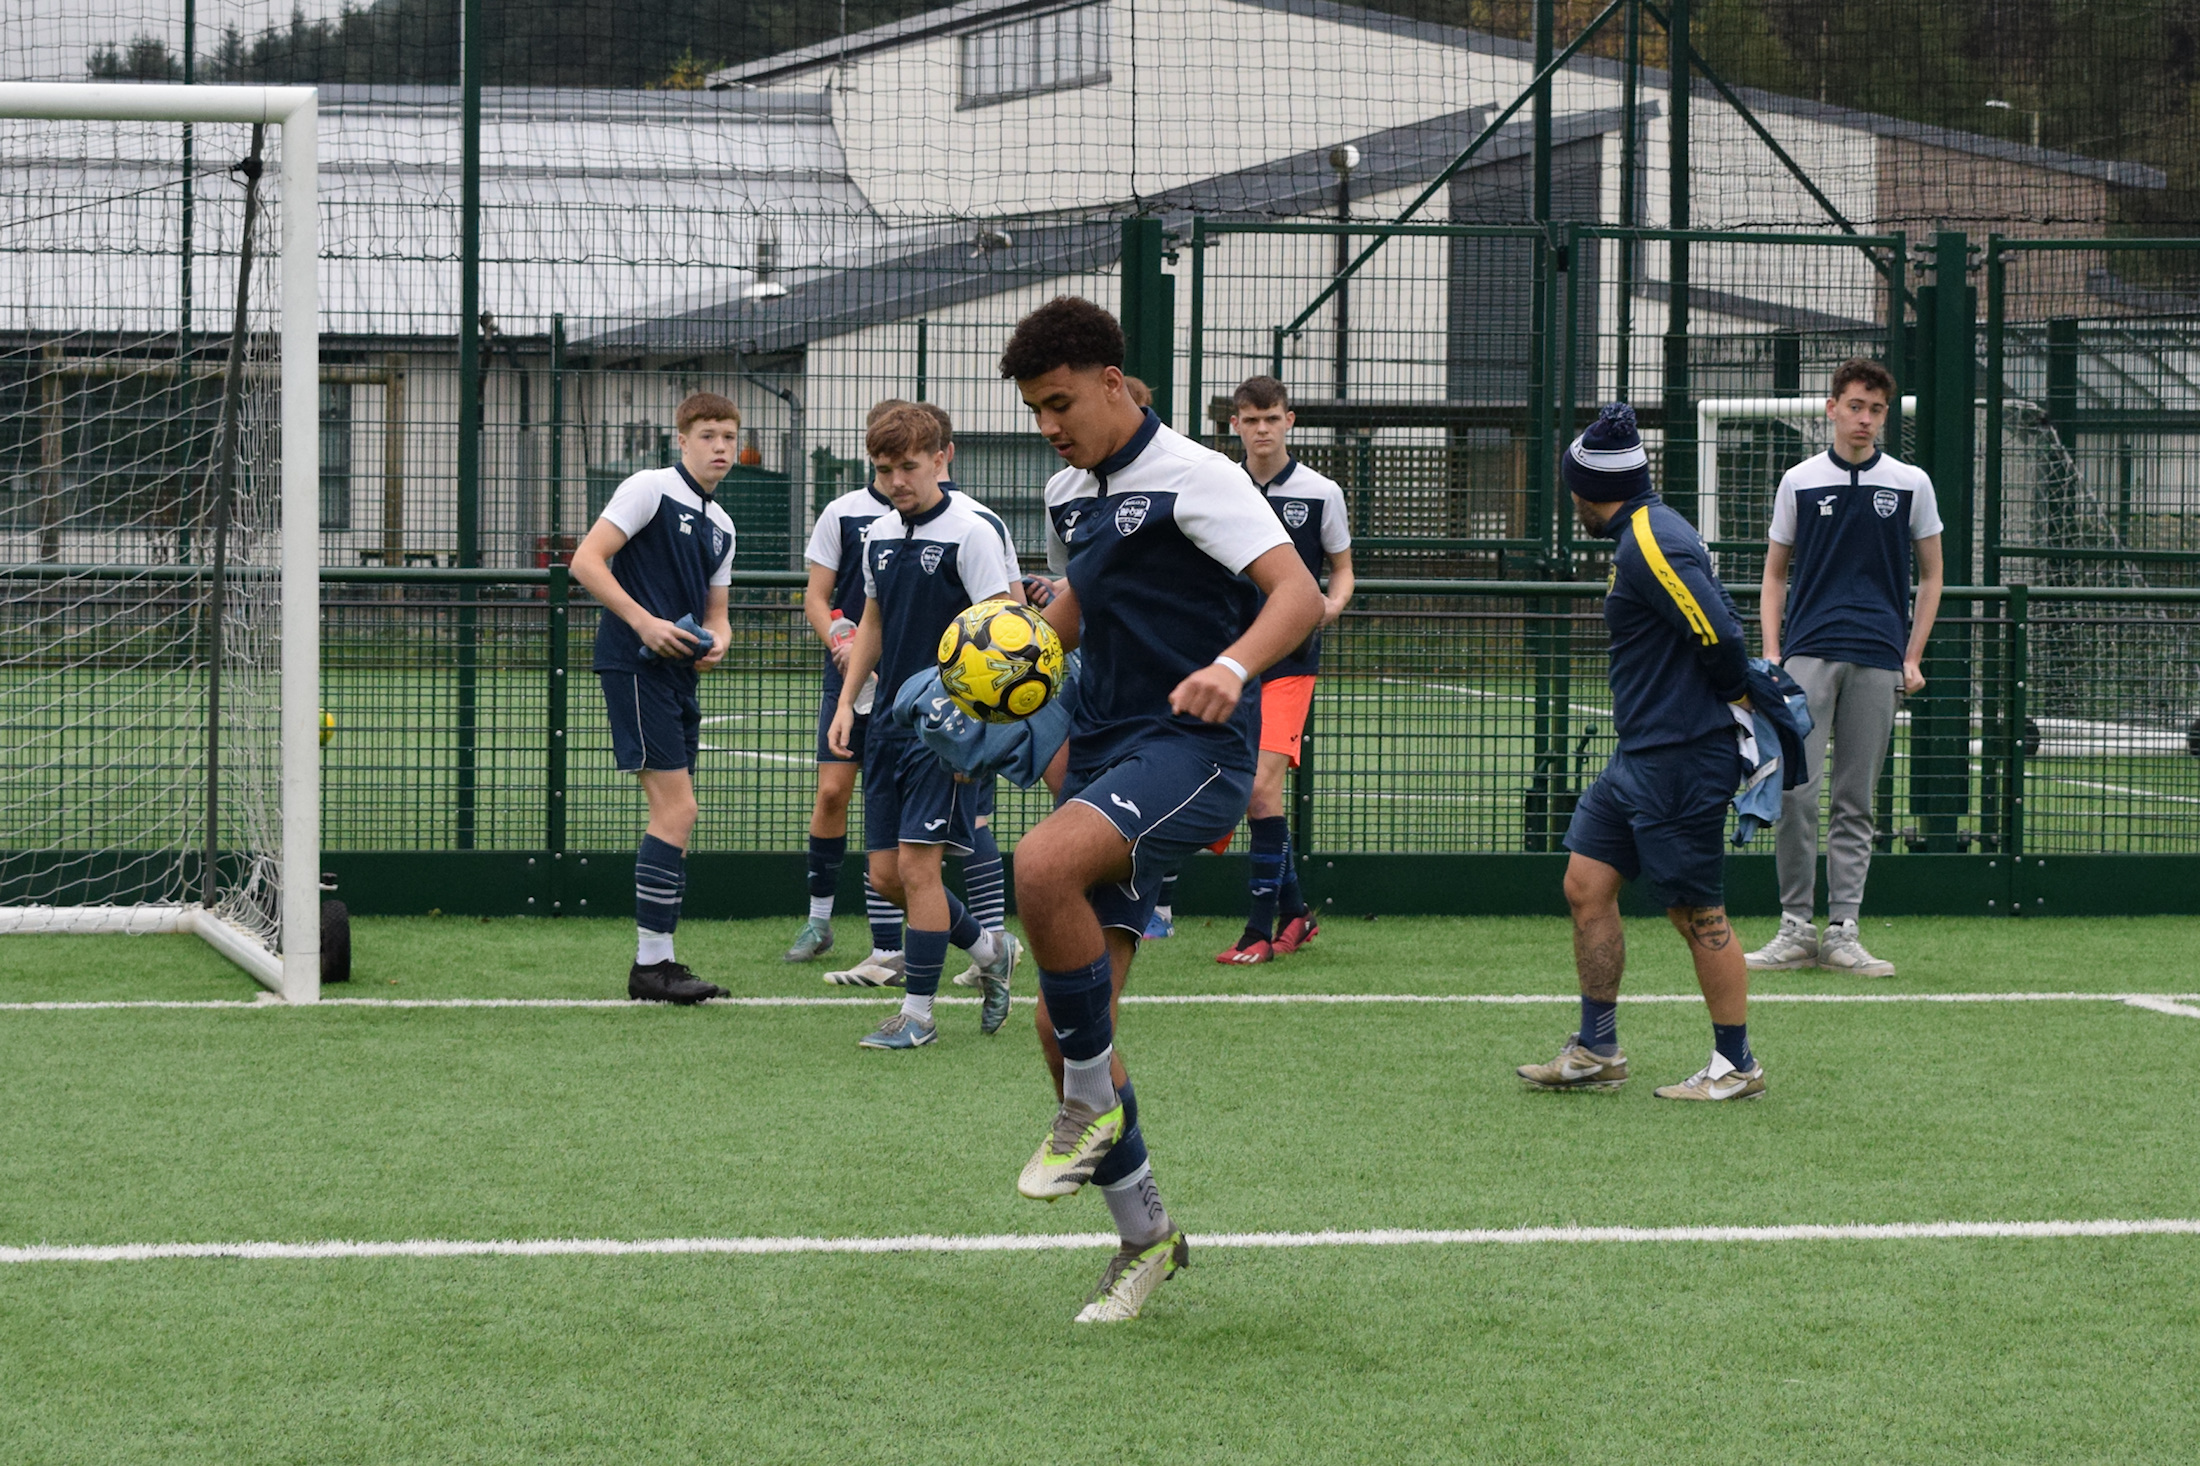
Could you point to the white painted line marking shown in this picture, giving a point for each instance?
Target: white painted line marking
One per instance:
(2163, 1005)
(2161, 1002)
(1067, 1241)
(2127, 789)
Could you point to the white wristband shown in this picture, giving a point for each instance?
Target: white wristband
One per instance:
(1233, 665)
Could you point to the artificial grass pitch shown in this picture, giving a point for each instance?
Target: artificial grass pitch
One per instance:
(163, 1125)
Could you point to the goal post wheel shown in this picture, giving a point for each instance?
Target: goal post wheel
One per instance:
(335, 942)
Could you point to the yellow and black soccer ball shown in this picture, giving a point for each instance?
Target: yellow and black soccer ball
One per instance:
(1000, 661)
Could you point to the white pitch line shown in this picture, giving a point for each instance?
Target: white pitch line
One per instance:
(2150, 794)
(2157, 1002)
(1077, 1241)
(2163, 1004)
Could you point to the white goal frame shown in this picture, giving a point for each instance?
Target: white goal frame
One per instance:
(294, 974)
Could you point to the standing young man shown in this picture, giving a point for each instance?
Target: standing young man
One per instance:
(832, 603)
(1845, 527)
(1166, 551)
(1679, 698)
(922, 566)
(660, 561)
(1312, 510)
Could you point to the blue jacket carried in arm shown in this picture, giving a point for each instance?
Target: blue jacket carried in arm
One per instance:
(1677, 659)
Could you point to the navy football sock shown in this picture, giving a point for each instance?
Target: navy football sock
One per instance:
(1166, 904)
(962, 928)
(1599, 1027)
(660, 881)
(1269, 837)
(1289, 902)
(826, 855)
(885, 918)
(1077, 1005)
(984, 880)
(1732, 1040)
(1129, 1152)
(925, 955)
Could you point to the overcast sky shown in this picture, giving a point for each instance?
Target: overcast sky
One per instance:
(47, 40)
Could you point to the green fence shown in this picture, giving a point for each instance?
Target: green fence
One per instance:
(1456, 724)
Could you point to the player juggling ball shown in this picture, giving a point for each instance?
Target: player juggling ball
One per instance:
(1845, 527)
(1680, 703)
(660, 560)
(922, 565)
(1312, 510)
(1167, 550)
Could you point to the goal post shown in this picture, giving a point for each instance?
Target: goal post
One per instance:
(284, 952)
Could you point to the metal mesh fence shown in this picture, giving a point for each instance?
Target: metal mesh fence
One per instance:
(1448, 720)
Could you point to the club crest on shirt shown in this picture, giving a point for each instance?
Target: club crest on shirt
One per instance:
(717, 543)
(1131, 513)
(1886, 501)
(1294, 513)
(931, 558)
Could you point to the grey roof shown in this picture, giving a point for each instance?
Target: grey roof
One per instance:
(939, 272)
(590, 208)
(973, 13)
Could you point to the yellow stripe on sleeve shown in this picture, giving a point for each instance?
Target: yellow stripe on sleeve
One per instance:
(1670, 578)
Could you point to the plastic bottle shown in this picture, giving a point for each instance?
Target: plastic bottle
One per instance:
(844, 630)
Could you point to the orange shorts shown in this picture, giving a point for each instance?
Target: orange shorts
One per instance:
(1283, 706)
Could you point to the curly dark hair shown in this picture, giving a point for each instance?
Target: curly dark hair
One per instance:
(1066, 331)
(1869, 373)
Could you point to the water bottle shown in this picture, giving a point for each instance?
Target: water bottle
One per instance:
(843, 630)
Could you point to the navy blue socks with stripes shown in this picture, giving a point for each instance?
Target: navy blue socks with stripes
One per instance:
(826, 855)
(984, 880)
(1599, 1027)
(1270, 835)
(660, 881)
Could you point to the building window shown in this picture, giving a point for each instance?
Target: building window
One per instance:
(335, 455)
(1048, 53)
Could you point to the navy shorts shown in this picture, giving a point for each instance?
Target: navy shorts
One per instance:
(910, 798)
(828, 703)
(1660, 815)
(1170, 800)
(656, 722)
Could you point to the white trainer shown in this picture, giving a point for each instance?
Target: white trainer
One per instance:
(1793, 946)
(1843, 951)
(871, 972)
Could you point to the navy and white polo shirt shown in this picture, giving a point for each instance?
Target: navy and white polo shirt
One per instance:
(836, 542)
(1154, 541)
(1851, 525)
(679, 543)
(1009, 562)
(1311, 506)
(923, 570)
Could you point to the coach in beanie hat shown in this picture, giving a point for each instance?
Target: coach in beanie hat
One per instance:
(1606, 464)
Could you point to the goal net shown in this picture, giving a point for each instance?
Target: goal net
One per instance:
(158, 518)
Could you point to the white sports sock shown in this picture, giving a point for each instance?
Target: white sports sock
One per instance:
(1164, 912)
(651, 948)
(880, 954)
(1135, 1204)
(821, 908)
(917, 1006)
(1090, 1081)
(985, 950)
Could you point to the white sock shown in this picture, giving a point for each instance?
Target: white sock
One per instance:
(917, 1006)
(880, 954)
(1135, 1204)
(821, 908)
(1090, 1081)
(1164, 912)
(985, 950)
(651, 948)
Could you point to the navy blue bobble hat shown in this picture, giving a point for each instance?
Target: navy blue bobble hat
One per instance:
(1606, 464)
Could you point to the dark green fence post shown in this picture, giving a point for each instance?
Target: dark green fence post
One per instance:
(924, 355)
(2020, 670)
(469, 405)
(553, 810)
(1195, 374)
(1996, 409)
(1679, 453)
(1940, 720)
(1148, 312)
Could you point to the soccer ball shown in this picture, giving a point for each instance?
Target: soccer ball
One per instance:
(1000, 661)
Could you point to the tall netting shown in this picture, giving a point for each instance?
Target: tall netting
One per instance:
(133, 465)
